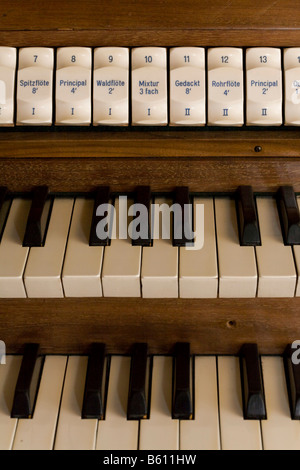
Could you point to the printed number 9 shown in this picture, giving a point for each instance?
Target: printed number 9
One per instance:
(110, 58)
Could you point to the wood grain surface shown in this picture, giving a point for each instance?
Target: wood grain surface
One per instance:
(207, 160)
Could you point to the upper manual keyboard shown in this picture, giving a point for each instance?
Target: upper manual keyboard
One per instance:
(150, 86)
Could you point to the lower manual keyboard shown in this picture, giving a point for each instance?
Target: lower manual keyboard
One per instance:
(217, 422)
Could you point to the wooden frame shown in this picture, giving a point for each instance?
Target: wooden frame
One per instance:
(207, 160)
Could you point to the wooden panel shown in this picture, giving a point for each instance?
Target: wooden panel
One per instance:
(162, 174)
(175, 142)
(211, 326)
(116, 22)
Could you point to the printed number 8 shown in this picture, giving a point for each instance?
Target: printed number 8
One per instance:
(73, 58)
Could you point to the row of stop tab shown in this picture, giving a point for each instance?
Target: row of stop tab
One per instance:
(193, 86)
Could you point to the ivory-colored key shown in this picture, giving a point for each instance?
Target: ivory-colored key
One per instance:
(110, 93)
(160, 262)
(8, 59)
(279, 431)
(8, 379)
(13, 255)
(160, 432)
(237, 433)
(225, 100)
(264, 86)
(38, 432)
(122, 261)
(187, 86)
(202, 432)
(35, 86)
(83, 263)
(73, 432)
(275, 263)
(42, 275)
(116, 432)
(237, 264)
(198, 269)
(149, 86)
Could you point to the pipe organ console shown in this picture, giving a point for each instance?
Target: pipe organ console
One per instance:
(149, 342)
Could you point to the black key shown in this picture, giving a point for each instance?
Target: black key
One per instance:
(289, 215)
(27, 383)
(142, 237)
(3, 194)
(101, 199)
(292, 374)
(137, 406)
(252, 385)
(38, 217)
(93, 400)
(182, 407)
(247, 217)
(182, 221)
(4, 208)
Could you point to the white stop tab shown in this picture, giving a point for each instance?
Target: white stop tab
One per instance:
(187, 86)
(149, 86)
(110, 100)
(225, 86)
(73, 86)
(291, 60)
(35, 86)
(264, 86)
(8, 58)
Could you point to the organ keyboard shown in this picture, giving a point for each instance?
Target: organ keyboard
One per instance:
(70, 291)
(60, 262)
(217, 420)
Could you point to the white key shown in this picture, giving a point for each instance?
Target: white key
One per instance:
(202, 433)
(73, 85)
(279, 431)
(237, 265)
(35, 86)
(74, 433)
(8, 378)
(296, 251)
(237, 433)
(122, 261)
(264, 86)
(38, 433)
(83, 263)
(13, 255)
(198, 269)
(225, 86)
(292, 86)
(110, 94)
(275, 263)
(160, 262)
(160, 431)
(149, 86)
(116, 432)
(8, 59)
(42, 275)
(187, 86)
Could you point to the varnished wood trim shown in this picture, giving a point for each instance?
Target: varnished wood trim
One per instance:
(212, 326)
(93, 143)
